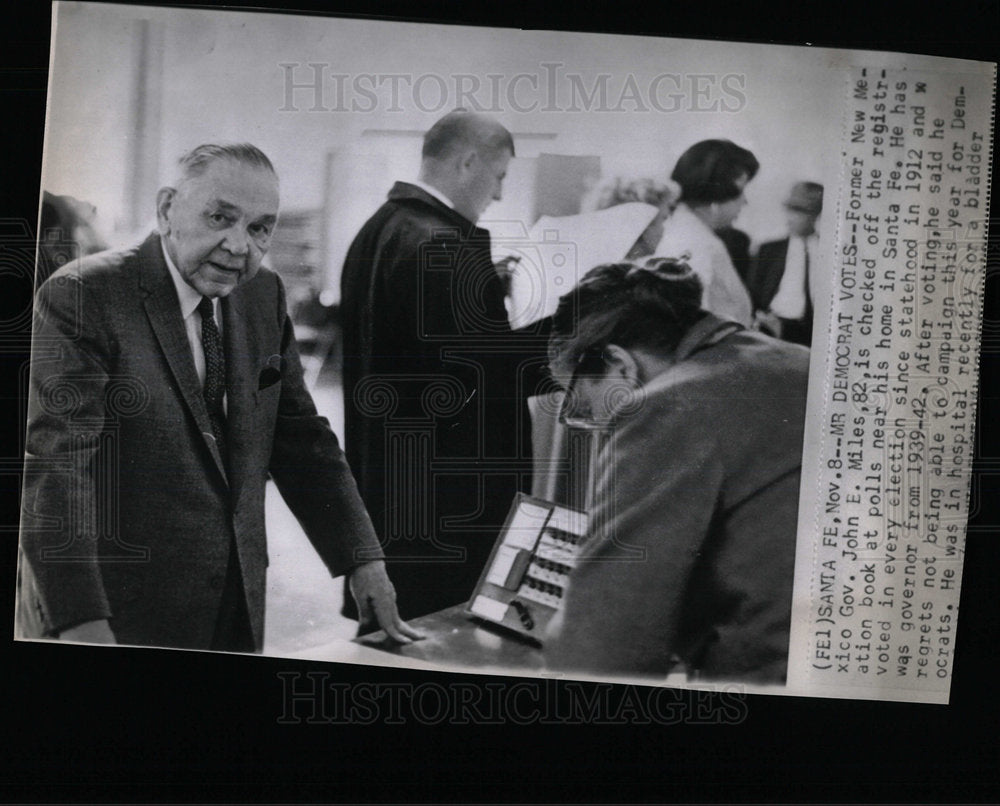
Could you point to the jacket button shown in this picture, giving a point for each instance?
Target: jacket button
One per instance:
(216, 582)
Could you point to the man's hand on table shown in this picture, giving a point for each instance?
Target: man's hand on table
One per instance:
(376, 600)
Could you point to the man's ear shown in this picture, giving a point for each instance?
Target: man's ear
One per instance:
(164, 201)
(622, 365)
(469, 159)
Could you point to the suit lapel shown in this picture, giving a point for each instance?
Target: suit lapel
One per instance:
(164, 313)
(243, 360)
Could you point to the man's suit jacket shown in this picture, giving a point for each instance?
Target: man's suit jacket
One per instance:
(737, 244)
(766, 273)
(129, 510)
(763, 282)
(435, 388)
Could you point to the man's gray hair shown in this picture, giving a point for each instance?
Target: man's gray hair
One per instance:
(196, 161)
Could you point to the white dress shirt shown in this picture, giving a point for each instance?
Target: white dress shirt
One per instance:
(189, 298)
(790, 300)
(433, 191)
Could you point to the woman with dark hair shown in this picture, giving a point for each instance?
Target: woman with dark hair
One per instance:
(690, 552)
(712, 175)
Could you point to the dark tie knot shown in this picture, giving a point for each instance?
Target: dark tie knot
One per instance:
(206, 308)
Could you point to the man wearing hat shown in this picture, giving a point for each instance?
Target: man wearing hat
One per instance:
(779, 279)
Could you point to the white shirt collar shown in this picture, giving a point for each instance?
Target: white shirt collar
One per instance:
(186, 294)
(433, 191)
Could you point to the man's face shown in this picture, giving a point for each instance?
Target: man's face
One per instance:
(217, 227)
(800, 223)
(728, 211)
(482, 182)
(592, 393)
(588, 401)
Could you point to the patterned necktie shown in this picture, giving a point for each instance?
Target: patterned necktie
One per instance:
(215, 372)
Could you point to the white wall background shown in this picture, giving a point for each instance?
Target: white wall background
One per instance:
(216, 75)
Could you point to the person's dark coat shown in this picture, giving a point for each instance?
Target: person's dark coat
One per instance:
(436, 426)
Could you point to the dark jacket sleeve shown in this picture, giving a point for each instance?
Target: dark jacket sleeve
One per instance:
(311, 472)
(66, 420)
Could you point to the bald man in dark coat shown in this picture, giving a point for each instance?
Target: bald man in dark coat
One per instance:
(435, 380)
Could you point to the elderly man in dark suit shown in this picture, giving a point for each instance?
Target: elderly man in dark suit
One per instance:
(435, 380)
(165, 388)
(779, 280)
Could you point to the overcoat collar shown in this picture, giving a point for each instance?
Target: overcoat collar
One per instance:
(406, 192)
(708, 330)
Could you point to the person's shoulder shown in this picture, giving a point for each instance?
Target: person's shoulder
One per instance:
(262, 297)
(422, 215)
(767, 356)
(404, 215)
(98, 265)
(409, 227)
(266, 284)
(102, 270)
(741, 360)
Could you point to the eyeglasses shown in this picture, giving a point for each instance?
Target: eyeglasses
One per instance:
(569, 414)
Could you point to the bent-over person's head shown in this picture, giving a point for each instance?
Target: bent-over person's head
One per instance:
(712, 175)
(618, 329)
(217, 218)
(465, 156)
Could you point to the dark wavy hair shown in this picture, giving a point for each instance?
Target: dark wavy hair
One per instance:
(650, 305)
(707, 172)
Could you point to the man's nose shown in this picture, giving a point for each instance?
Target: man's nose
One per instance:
(236, 242)
(499, 194)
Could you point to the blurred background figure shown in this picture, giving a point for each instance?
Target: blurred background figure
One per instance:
(67, 231)
(712, 175)
(779, 281)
